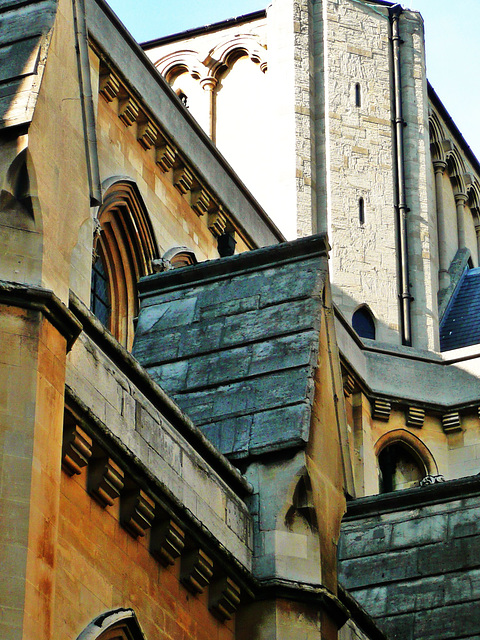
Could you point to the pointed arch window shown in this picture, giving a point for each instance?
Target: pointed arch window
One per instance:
(363, 323)
(124, 250)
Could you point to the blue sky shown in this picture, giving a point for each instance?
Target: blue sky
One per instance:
(452, 36)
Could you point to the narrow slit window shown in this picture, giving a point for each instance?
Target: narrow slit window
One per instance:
(358, 95)
(361, 211)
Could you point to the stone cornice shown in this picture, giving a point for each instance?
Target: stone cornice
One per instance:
(128, 365)
(46, 302)
(307, 593)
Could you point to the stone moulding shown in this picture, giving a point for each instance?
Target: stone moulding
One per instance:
(46, 302)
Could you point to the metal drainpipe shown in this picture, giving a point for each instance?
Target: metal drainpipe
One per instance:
(86, 99)
(400, 205)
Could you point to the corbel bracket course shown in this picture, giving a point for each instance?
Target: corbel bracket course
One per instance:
(109, 86)
(348, 384)
(451, 422)
(167, 540)
(182, 179)
(382, 409)
(201, 201)
(76, 448)
(137, 511)
(147, 134)
(196, 571)
(105, 481)
(224, 598)
(217, 222)
(415, 417)
(128, 110)
(165, 157)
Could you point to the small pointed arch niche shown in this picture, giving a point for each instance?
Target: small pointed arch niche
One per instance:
(124, 249)
(118, 624)
(403, 461)
(363, 322)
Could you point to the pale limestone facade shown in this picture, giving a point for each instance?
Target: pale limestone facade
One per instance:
(329, 79)
(111, 499)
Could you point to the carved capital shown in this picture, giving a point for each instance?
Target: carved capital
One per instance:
(196, 571)
(109, 86)
(128, 111)
(382, 409)
(208, 83)
(165, 157)
(460, 198)
(451, 422)
(105, 481)
(182, 179)
(76, 448)
(415, 417)
(137, 511)
(439, 166)
(147, 134)
(167, 541)
(224, 598)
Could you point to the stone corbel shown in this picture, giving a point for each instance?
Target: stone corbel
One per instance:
(348, 384)
(196, 571)
(182, 179)
(451, 422)
(167, 541)
(128, 111)
(76, 448)
(217, 222)
(105, 481)
(201, 201)
(109, 86)
(382, 409)
(415, 417)
(165, 157)
(147, 134)
(224, 598)
(137, 511)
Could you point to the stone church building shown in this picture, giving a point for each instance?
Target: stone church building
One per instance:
(239, 338)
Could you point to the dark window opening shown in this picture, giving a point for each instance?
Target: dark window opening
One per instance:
(358, 95)
(399, 468)
(100, 300)
(361, 211)
(362, 322)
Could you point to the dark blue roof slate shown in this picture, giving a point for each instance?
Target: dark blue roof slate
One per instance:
(235, 343)
(461, 324)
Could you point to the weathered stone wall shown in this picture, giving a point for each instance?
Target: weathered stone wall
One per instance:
(411, 559)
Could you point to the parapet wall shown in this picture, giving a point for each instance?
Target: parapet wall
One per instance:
(412, 559)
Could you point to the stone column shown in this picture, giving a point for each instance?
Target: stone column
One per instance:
(477, 232)
(208, 84)
(439, 167)
(460, 200)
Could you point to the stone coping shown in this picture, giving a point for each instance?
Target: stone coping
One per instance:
(440, 492)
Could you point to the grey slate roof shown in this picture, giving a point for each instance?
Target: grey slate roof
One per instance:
(461, 324)
(235, 343)
(25, 33)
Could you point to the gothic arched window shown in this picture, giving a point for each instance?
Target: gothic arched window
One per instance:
(400, 468)
(363, 323)
(124, 248)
